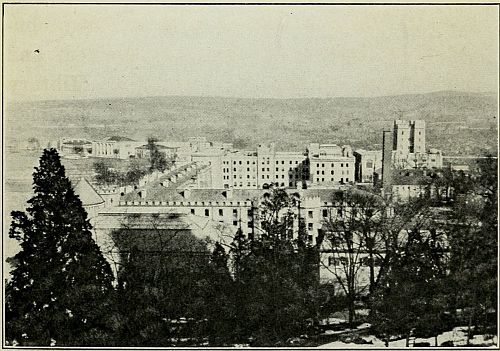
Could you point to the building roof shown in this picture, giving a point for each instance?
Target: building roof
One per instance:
(87, 193)
(413, 177)
(76, 142)
(165, 194)
(119, 138)
(146, 146)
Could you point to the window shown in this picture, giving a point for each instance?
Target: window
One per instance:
(234, 162)
(347, 179)
(317, 164)
(221, 213)
(262, 176)
(235, 211)
(263, 169)
(290, 162)
(277, 169)
(235, 223)
(248, 162)
(248, 184)
(234, 169)
(277, 176)
(323, 172)
(248, 176)
(332, 172)
(310, 226)
(282, 162)
(317, 172)
(332, 164)
(277, 162)
(310, 214)
(207, 212)
(296, 162)
(282, 176)
(322, 179)
(322, 165)
(192, 211)
(339, 212)
(341, 165)
(240, 162)
(268, 169)
(248, 169)
(325, 213)
(234, 176)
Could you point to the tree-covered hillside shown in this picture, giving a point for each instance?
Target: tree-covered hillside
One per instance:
(458, 123)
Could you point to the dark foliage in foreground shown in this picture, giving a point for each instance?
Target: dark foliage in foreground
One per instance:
(61, 284)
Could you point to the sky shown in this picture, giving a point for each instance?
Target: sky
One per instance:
(100, 51)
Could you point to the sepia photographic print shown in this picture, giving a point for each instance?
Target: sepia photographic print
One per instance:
(278, 175)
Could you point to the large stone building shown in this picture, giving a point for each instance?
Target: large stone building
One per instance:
(115, 147)
(330, 164)
(409, 147)
(368, 166)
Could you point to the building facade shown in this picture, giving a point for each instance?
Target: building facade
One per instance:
(330, 164)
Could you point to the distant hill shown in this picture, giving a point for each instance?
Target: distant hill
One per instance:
(457, 122)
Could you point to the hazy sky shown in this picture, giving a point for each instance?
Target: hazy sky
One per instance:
(93, 51)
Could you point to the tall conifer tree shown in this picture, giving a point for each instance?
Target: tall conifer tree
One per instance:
(60, 285)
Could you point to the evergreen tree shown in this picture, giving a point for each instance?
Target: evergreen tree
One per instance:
(276, 278)
(157, 158)
(411, 296)
(61, 283)
(473, 246)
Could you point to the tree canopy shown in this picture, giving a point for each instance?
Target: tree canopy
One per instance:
(61, 283)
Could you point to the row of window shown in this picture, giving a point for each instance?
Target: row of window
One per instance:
(248, 176)
(240, 162)
(365, 261)
(221, 212)
(332, 180)
(332, 172)
(341, 165)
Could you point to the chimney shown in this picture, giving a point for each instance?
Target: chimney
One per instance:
(387, 141)
(186, 193)
(228, 193)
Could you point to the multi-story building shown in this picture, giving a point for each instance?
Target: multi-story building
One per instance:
(409, 147)
(330, 164)
(409, 136)
(279, 168)
(368, 167)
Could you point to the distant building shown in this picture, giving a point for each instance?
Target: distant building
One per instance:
(368, 166)
(143, 151)
(74, 146)
(409, 136)
(410, 184)
(409, 150)
(331, 164)
(115, 147)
